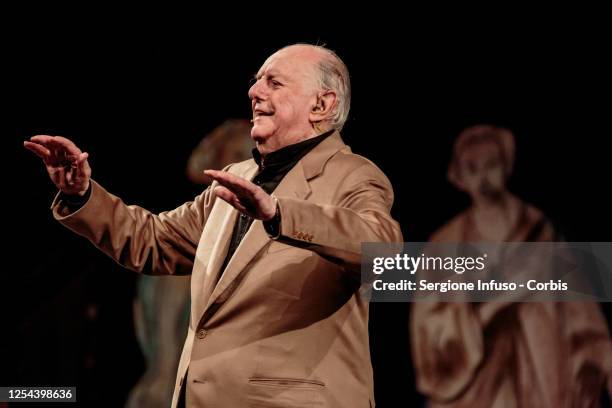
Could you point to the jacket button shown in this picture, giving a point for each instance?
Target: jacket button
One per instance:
(202, 333)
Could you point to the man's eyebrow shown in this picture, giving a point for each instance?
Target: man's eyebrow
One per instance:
(271, 74)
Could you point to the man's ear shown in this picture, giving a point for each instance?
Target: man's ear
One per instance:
(324, 106)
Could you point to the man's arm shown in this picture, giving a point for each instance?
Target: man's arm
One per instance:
(360, 212)
(136, 238)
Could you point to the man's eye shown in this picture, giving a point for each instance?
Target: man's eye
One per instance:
(275, 83)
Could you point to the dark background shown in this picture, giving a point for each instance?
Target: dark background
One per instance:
(138, 95)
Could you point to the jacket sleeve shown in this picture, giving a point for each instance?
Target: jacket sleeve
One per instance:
(136, 238)
(360, 212)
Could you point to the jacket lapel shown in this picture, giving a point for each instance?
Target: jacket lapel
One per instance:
(295, 185)
(214, 245)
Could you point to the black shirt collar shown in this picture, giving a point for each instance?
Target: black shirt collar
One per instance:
(288, 155)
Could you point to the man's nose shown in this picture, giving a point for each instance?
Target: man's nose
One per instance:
(256, 91)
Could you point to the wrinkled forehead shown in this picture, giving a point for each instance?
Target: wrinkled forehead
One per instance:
(293, 64)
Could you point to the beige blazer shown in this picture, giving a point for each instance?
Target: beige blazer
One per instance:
(285, 324)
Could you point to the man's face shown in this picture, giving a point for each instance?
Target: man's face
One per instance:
(282, 98)
(482, 171)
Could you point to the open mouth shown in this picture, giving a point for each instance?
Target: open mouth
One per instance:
(257, 113)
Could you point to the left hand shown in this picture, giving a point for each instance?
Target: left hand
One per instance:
(246, 197)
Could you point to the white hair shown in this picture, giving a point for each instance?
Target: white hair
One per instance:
(333, 76)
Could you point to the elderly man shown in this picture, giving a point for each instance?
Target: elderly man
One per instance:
(276, 318)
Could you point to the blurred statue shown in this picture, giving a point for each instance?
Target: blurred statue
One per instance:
(161, 306)
(161, 316)
(228, 143)
(505, 354)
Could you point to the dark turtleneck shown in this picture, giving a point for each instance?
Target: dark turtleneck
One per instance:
(273, 167)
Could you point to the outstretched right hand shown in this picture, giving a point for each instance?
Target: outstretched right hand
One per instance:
(66, 164)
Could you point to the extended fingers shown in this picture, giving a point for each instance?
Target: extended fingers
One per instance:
(64, 147)
(60, 148)
(44, 139)
(38, 149)
(237, 184)
(67, 144)
(229, 197)
(225, 194)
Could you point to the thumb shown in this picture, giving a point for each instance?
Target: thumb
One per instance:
(82, 165)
